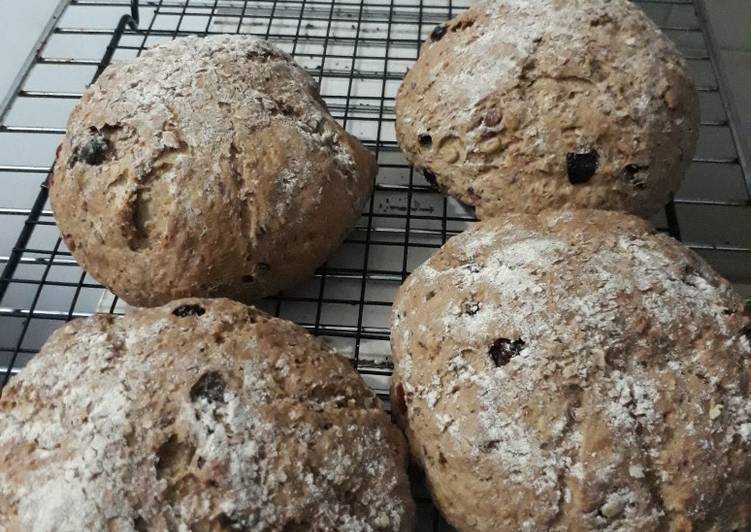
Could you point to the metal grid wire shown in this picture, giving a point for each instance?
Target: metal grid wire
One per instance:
(358, 50)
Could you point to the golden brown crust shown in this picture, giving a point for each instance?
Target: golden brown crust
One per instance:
(204, 415)
(206, 167)
(526, 106)
(576, 371)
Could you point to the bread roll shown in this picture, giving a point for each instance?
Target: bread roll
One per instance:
(576, 371)
(526, 106)
(201, 415)
(206, 167)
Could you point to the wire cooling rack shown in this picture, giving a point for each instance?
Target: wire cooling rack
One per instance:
(358, 50)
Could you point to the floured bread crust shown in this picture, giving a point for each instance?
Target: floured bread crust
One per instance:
(575, 371)
(519, 105)
(206, 167)
(202, 415)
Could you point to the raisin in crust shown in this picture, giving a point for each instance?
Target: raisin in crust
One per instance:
(526, 106)
(576, 371)
(206, 167)
(201, 415)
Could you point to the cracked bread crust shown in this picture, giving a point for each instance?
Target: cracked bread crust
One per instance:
(527, 106)
(575, 371)
(201, 415)
(206, 167)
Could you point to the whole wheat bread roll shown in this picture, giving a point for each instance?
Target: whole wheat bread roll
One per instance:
(576, 371)
(206, 167)
(526, 106)
(201, 415)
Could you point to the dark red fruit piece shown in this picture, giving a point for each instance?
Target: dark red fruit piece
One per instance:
(189, 310)
(210, 387)
(581, 166)
(503, 350)
(489, 445)
(492, 118)
(93, 151)
(437, 33)
(401, 403)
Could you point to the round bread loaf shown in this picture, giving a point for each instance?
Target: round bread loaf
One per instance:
(202, 415)
(526, 106)
(206, 167)
(576, 371)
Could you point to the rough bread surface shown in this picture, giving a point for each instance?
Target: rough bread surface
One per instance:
(576, 371)
(519, 105)
(202, 415)
(207, 166)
